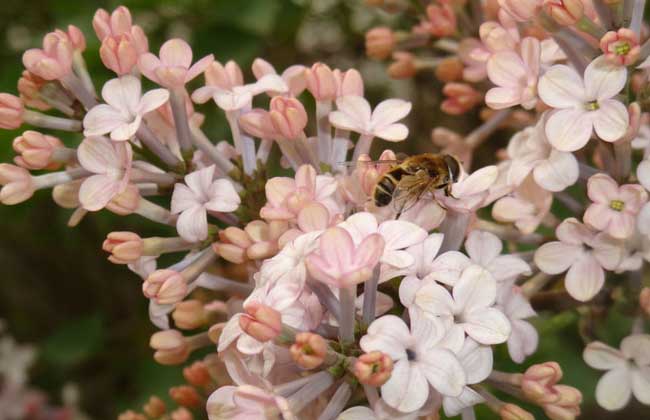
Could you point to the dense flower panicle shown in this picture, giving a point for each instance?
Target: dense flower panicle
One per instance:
(349, 288)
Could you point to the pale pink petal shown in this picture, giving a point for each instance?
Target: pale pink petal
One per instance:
(389, 111)
(556, 257)
(622, 226)
(356, 108)
(306, 178)
(369, 251)
(337, 248)
(614, 389)
(634, 197)
(523, 340)
(607, 250)
(569, 129)
(361, 225)
(176, 52)
(506, 267)
(477, 182)
(313, 217)
(637, 348)
(585, 278)
(531, 52)
(501, 97)
(487, 325)
(388, 334)
(278, 188)
(643, 173)
(599, 216)
(510, 209)
(443, 371)
(475, 288)
(611, 120)
(192, 224)
(448, 267)
(345, 122)
(408, 288)
(200, 181)
(453, 406)
(123, 93)
(641, 384)
(603, 357)
(431, 298)
(407, 389)
(148, 63)
(98, 155)
(506, 69)
(198, 67)
(204, 94)
(558, 172)
(357, 413)
(562, 87)
(152, 100)
(477, 361)
(571, 231)
(393, 132)
(603, 79)
(183, 198)
(400, 235)
(97, 190)
(103, 119)
(127, 130)
(482, 247)
(643, 220)
(223, 196)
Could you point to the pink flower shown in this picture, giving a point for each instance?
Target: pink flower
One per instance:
(564, 12)
(582, 251)
(531, 151)
(461, 98)
(201, 193)
(174, 67)
(348, 82)
(584, 106)
(484, 249)
(293, 76)
(111, 164)
(354, 114)
(125, 106)
(165, 287)
(11, 111)
(523, 338)
(117, 23)
(469, 308)
(442, 19)
(628, 371)
(288, 117)
(614, 208)
(340, 263)
(246, 402)
(321, 82)
(621, 47)
(515, 75)
(119, 54)
(36, 150)
(122, 42)
(526, 207)
(54, 61)
(522, 10)
(470, 191)
(420, 359)
(17, 184)
(286, 197)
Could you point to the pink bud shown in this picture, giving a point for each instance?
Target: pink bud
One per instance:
(125, 247)
(125, 203)
(261, 322)
(165, 287)
(564, 12)
(11, 111)
(77, 38)
(380, 43)
(308, 350)
(230, 252)
(17, 184)
(442, 19)
(29, 87)
(373, 368)
(539, 381)
(181, 413)
(36, 150)
(185, 395)
(288, 117)
(117, 23)
(155, 407)
(348, 82)
(404, 66)
(521, 10)
(119, 54)
(171, 347)
(621, 47)
(54, 61)
(461, 97)
(189, 314)
(321, 82)
(197, 374)
(226, 77)
(514, 412)
(258, 124)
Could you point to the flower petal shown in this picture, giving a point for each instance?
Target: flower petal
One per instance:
(603, 357)
(603, 80)
(102, 119)
(569, 129)
(192, 224)
(152, 100)
(611, 120)
(443, 371)
(585, 278)
(407, 389)
(389, 112)
(562, 87)
(123, 93)
(475, 289)
(558, 172)
(614, 389)
(487, 325)
(97, 190)
(483, 247)
(556, 257)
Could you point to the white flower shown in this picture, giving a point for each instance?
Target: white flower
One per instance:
(583, 106)
(628, 371)
(201, 194)
(354, 114)
(420, 360)
(469, 308)
(523, 338)
(125, 106)
(484, 248)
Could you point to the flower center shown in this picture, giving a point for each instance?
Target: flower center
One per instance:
(592, 106)
(622, 49)
(410, 354)
(617, 205)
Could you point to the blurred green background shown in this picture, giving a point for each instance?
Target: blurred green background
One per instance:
(88, 317)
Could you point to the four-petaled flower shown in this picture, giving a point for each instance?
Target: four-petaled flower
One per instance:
(174, 67)
(354, 114)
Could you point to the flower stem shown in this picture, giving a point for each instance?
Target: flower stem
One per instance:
(177, 103)
(637, 16)
(199, 265)
(47, 121)
(370, 297)
(535, 284)
(79, 66)
(149, 139)
(244, 145)
(214, 282)
(454, 228)
(55, 178)
(155, 213)
(340, 146)
(604, 13)
(204, 144)
(156, 246)
(337, 402)
(363, 146)
(585, 24)
(162, 179)
(76, 86)
(327, 298)
(312, 390)
(348, 297)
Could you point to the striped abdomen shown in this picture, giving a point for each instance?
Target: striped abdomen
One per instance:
(386, 185)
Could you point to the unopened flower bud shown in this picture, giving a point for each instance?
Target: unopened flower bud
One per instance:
(261, 322)
(17, 184)
(514, 412)
(380, 43)
(125, 247)
(54, 61)
(29, 87)
(155, 407)
(118, 53)
(449, 69)
(171, 347)
(373, 368)
(521, 10)
(181, 413)
(348, 82)
(442, 19)
(131, 415)
(67, 195)
(185, 395)
(538, 381)
(644, 300)
(564, 12)
(36, 150)
(125, 203)
(461, 98)
(197, 374)
(11, 111)
(309, 350)
(621, 47)
(404, 66)
(165, 287)
(567, 404)
(321, 82)
(257, 122)
(288, 117)
(189, 314)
